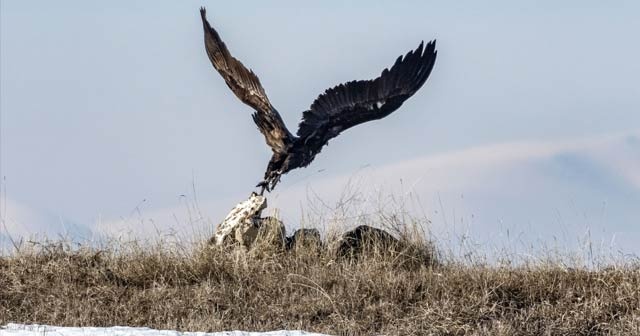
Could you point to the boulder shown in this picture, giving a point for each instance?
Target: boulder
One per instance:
(309, 238)
(366, 238)
(270, 234)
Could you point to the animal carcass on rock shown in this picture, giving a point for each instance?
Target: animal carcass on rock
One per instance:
(243, 225)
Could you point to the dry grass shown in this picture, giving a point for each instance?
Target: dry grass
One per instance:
(204, 289)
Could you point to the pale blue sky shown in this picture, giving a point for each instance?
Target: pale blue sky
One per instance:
(105, 105)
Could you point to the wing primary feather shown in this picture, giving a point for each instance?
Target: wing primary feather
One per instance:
(355, 102)
(246, 86)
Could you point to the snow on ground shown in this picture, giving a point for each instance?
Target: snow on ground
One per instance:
(13, 329)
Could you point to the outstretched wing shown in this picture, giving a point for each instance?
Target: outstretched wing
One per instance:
(355, 102)
(246, 86)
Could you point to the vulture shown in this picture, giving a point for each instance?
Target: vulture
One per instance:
(334, 111)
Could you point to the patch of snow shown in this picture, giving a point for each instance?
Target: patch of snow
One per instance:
(13, 329)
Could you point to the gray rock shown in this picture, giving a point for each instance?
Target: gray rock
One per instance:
(270, 234)
(304, 238)
(366, 238)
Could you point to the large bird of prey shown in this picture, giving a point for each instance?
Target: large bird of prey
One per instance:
(334, 111)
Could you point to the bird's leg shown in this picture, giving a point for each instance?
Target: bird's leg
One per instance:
(264, 185)
(273, 182)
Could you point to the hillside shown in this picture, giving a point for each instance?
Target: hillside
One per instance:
(205, 289)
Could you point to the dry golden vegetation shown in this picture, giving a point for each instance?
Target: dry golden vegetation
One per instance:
(405, 293)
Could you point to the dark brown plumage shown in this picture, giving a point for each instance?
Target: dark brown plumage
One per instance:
(334, 111)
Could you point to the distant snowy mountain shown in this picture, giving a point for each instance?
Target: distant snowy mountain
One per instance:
(21, 222)
(564, 194)
(527, 194)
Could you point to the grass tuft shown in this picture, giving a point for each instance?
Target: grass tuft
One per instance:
(400, 292)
